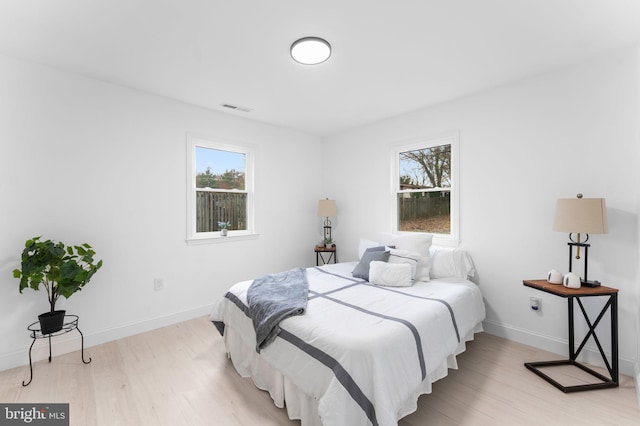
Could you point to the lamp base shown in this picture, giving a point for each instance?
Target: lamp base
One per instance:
(588, 283)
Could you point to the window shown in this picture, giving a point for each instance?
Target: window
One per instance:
(425, 193)
(220, 189)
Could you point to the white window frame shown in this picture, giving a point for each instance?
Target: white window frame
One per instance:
(447, 138)
(193, 141)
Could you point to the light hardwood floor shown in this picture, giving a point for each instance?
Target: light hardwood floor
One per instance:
(180, 375)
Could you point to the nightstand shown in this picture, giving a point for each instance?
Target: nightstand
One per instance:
(577, 294)
(322, 251)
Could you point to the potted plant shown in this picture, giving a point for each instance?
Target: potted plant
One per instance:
(224, 226)
(62, 270)
(328, 243)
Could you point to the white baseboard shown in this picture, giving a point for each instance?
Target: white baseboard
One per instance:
(637, 380)
(590, 355)
(71, 341)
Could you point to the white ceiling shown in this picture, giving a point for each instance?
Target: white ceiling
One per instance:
(389, 57)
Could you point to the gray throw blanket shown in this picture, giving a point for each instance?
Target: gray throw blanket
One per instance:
(273, 298)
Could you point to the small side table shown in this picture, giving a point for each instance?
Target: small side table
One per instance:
(321, 250)
(577, 294)
(70, 324)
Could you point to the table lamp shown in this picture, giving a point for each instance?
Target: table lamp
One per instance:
(327, 208)
(579, 216)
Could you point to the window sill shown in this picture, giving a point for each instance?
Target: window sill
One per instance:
(217, 238)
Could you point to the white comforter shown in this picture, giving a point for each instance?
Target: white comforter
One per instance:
(364, 352)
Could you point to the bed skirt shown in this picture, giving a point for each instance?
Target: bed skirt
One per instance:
(300, 406)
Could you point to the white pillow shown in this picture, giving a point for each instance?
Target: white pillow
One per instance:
(451, 262)
(389, 274)
(364, 245)
(414, 242)
(404, 256)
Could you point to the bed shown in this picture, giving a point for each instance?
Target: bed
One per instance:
(361, 353)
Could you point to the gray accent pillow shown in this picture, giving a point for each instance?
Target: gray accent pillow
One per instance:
(379, 248)
(362, 268)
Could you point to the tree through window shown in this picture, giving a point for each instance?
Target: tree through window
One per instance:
(220, 189)
(221, 199)
(424, 187)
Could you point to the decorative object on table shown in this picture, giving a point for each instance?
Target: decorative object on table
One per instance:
(224, 226)
(62, 270)
(581, 216)
(326, 209)
(554, 277)
(571, 280)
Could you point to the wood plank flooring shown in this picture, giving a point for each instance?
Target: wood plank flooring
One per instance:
(180, 375)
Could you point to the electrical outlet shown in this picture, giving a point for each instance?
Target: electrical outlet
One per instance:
(536, 303)
(158, 284)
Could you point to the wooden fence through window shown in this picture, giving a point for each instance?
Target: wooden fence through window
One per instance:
(420, 207)
(214, 207)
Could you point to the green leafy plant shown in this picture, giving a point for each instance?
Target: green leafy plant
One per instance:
(60, 269)
(224, 225)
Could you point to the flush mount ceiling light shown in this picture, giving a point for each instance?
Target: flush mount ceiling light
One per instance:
(310, 50)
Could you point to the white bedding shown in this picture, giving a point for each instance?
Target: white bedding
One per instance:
(361, 354)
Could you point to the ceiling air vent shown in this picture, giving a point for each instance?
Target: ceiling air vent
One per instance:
(236, 107)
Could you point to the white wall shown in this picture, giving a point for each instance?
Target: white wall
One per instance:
(637, 194)
(522, 146)
(85, 161)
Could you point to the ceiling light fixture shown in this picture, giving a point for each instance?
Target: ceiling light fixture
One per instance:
(310, 50)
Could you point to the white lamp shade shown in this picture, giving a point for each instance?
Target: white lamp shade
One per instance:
(581, 215)
(326, 208)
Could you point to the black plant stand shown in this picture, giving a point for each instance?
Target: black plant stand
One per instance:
(70, 324)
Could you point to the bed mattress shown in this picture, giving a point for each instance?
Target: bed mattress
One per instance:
(361, 354)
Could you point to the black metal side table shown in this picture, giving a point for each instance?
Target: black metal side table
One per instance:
(612, 306)
(331, 251)
(70, 324)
